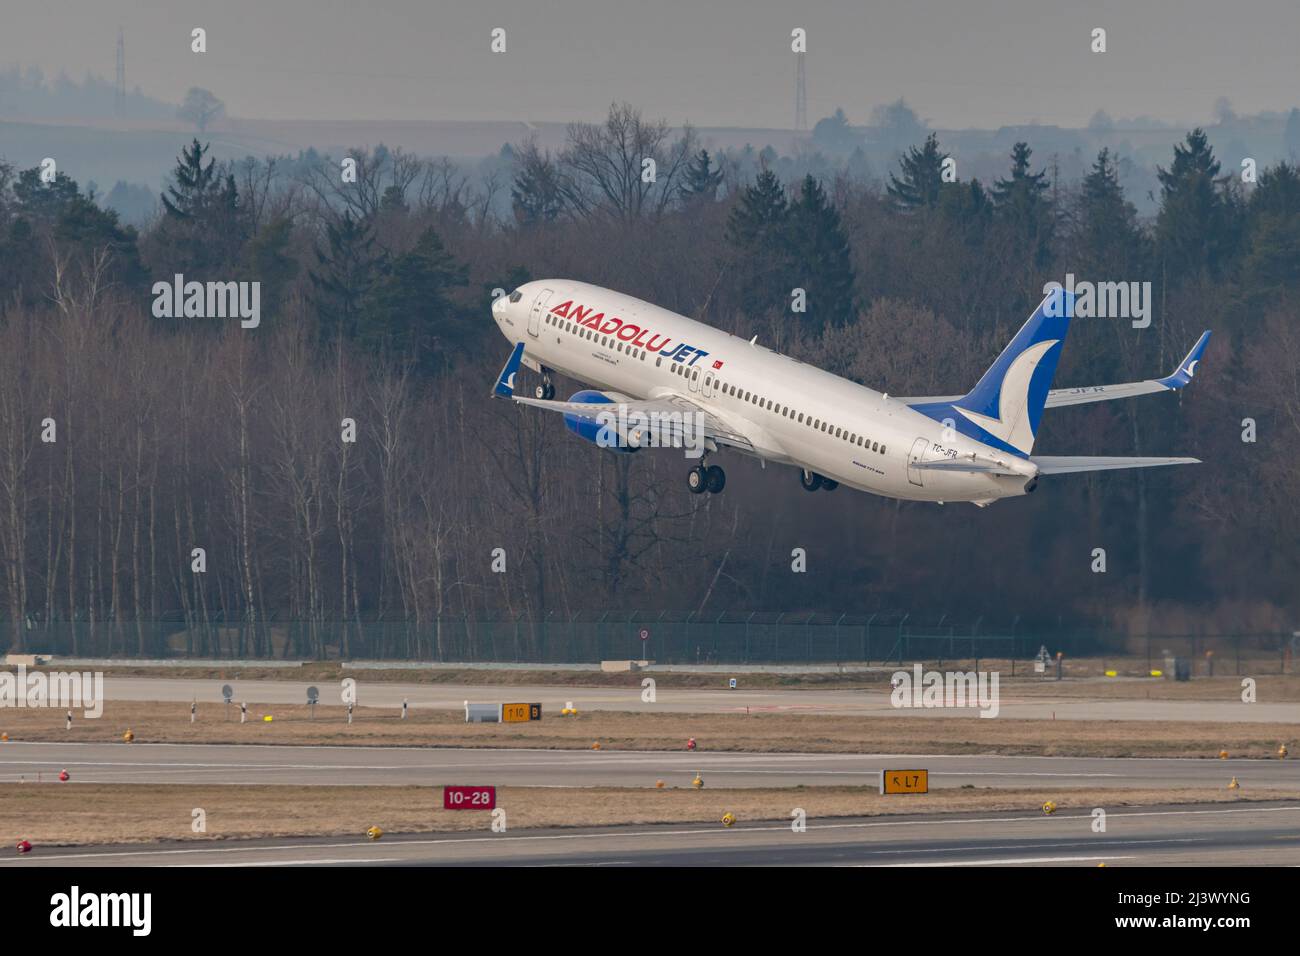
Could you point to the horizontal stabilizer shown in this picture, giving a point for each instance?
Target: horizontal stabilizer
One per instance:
(1181, 376)
(1049, 465)
(1058, 397)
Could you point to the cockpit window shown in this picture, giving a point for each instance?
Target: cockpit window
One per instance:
(516, 296)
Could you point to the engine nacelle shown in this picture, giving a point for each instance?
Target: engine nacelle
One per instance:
(596, 433)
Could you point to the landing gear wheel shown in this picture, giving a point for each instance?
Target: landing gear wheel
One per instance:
(697, 480)
(829, 484)
(715, 479)
(545, 391)
(810, 480)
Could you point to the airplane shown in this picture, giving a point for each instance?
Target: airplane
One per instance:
(661, 371)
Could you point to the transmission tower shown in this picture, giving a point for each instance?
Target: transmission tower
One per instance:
(119, 96)
(800, 94)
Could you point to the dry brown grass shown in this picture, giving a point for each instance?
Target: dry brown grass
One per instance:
(87, 814)
(154, 722)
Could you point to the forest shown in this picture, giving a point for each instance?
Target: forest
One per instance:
(201, 474)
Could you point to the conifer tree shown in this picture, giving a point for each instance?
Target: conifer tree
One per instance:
(922, 176)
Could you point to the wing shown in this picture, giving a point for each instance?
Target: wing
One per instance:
(1103, 393)
(1049, 465)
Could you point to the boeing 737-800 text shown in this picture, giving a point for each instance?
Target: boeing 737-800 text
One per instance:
(651, 367)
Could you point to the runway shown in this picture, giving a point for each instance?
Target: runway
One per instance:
(393, 766)
(695, 700)
(1261, 834)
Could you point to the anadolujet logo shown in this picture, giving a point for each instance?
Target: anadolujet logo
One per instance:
(65, 689)
(76, 909)
(946, 689)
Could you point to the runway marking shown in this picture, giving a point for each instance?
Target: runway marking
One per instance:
(378, 859)
(1040, 846)
(441, 841)
(622, 755)
(1004, 862)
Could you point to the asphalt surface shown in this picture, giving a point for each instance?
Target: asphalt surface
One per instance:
(378, 766)
(1262, 834)
(692, 700)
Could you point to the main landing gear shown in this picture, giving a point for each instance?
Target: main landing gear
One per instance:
(545, 391)
(704, 478)
(812, 481)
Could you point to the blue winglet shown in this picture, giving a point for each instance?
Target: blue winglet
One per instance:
(505, 386)
(1187, 368)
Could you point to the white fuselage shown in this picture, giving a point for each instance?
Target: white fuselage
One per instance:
(789, 411)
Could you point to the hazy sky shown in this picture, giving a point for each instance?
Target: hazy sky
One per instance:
(710, 62)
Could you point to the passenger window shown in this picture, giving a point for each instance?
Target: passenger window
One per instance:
(659, 361)
(874, 446)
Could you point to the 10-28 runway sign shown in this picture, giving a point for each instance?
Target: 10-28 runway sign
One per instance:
(469, 798)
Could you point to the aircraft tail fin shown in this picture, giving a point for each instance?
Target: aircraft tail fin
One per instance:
(1007, 402)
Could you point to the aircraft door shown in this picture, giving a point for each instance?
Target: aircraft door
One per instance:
(709, 384)
(535, 313)
(914, 458)
(693, 379)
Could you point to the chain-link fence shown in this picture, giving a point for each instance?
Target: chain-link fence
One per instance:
(723, 638)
